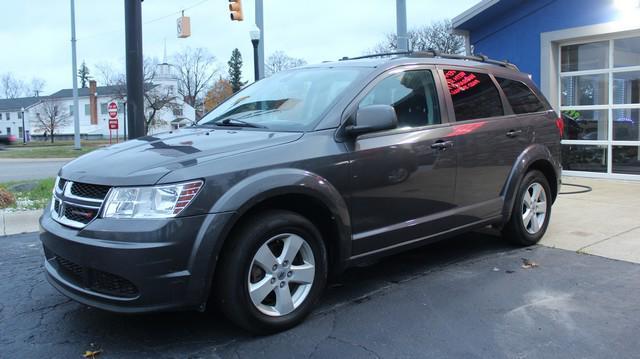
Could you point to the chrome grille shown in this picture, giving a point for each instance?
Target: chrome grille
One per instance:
(76, 204)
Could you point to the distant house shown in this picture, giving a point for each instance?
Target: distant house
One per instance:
(11, 110)
(92, 104)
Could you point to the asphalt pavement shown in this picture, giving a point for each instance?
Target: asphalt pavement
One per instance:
(29, 169)
(468, 297)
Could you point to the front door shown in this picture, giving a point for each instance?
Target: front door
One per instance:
(403, 179)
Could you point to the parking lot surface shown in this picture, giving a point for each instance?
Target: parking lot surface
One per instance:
(466, 297)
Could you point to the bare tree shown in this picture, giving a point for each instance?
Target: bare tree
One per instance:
(36, 86)
(437, 36)
(279, 61)
(50, 116)
(108, 75)
(196, 69)
(11, 87)
(156, 98)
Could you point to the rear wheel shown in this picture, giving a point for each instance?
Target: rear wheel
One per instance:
(531, 210)
(272, 273)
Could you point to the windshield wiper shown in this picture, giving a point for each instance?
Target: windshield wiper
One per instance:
(237, 123)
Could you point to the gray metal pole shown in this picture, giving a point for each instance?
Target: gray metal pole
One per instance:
(260, 25)
(74, 65)
(135, 77)
(401, 23)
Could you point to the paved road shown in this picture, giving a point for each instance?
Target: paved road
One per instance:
(466, 298)
(27, 169)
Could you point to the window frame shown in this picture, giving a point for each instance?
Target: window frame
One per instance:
(545, 105)
(352, 108)
(507, 112)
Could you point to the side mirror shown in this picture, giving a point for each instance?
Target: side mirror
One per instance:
(373, 118)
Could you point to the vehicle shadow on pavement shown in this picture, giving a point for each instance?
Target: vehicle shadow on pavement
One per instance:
(178, 329)
(53, 324)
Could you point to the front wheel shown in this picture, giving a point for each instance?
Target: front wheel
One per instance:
(531, 210)
(272, 273)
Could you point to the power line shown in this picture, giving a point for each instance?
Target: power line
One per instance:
(146, 22)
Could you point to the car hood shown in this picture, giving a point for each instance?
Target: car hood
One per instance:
(146, 160)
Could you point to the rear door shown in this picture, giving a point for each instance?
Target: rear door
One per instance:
(489, 138)
(402, 180)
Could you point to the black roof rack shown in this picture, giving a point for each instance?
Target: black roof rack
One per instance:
(435, 53)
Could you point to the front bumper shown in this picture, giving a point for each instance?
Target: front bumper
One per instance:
(130, 266)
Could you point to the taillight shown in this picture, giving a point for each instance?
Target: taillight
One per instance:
(560, 125)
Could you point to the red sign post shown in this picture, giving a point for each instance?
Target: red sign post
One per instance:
(112, 109)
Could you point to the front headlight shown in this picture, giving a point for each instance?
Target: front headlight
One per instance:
(150, 202)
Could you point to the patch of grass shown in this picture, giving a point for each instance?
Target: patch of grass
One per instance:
(37, 198)
(65, 151)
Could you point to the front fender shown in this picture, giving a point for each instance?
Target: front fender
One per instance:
(531, 154)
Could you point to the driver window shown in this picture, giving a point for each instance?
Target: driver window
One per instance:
(412, 94)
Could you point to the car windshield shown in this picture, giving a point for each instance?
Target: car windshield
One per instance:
(287, 101)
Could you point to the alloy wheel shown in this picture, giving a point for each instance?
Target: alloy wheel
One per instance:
(281, 274)
(534, 208)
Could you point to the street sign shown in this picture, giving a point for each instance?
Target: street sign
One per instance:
(112, 109)
(113, 124)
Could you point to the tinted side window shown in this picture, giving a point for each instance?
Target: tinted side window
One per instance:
(412, 94)
(474, 95)
(520, 97)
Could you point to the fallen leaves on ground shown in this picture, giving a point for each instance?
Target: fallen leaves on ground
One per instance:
(528, 264)
(91, 354)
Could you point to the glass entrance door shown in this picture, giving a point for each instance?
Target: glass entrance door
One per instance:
(600, 103)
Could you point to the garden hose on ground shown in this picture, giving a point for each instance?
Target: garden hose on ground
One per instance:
(584, 189)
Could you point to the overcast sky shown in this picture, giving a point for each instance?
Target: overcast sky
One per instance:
(35, 34)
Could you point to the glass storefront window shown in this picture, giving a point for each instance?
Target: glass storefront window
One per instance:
(585, 125)
(584, 158)
(584, 90)
(626, 52)
(626, 160)
(626, 125)
(580, 57)
(626, 87)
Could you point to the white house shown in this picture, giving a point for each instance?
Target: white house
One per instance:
(92, 102)
(11, 111)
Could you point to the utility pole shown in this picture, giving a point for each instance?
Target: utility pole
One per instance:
(401, 24)
(135, 77)
(260, 25)
(74, 65)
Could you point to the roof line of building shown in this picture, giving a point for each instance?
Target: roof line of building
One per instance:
(472, 12)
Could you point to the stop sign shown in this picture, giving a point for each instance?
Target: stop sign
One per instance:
(112, 109)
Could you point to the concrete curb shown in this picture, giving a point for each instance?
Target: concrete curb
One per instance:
(19, 222)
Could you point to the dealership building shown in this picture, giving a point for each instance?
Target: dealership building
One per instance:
(585, 57)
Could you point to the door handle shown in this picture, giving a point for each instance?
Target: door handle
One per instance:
(442, 145)
(514, 133)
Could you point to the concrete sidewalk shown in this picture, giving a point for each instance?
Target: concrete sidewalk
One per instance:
(604, 222)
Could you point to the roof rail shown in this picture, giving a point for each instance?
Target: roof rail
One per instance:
(436, 53)
(476, 57)
(376, 55)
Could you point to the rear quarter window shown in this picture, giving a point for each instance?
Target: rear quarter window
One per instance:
(474, 95)
(520, 96)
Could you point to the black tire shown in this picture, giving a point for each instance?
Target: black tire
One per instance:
(515, 230)
(231, 284)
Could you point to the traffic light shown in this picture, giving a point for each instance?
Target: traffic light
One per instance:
(235, 6)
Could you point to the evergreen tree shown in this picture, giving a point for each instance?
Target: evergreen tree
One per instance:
(83, 75)
(235, 70)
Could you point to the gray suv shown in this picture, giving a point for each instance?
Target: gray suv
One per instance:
(298, 177)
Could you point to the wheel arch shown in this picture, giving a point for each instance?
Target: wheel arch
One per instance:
(299, 191)
(535, 157)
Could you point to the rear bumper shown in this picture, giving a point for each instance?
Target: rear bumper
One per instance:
(133, 266)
